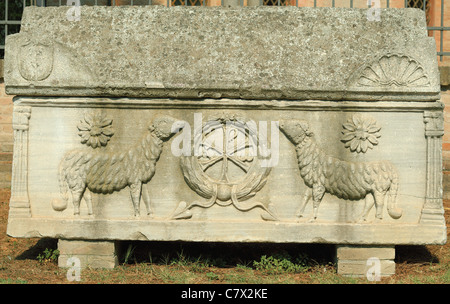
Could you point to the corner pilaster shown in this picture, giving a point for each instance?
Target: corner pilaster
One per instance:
(19, 205)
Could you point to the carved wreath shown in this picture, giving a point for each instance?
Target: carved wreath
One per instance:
(224, 189)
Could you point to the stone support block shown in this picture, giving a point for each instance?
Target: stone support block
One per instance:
(365, 261)
(93, 254)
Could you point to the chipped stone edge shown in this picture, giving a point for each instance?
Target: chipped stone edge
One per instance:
(222, 231)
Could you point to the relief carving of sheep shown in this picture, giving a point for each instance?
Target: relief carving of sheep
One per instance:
(83, 171)
(347, 180)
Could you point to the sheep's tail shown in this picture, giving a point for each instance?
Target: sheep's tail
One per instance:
(59, 204)
(392, 208)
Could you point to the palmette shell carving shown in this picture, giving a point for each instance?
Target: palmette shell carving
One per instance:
(394, 70)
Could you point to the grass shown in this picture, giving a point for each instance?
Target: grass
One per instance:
(266, 264)
(48, 255)
(198, 263)
(283, 263)
(185, 263)
(12, 281)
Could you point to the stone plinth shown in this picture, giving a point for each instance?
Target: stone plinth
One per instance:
(373, 262)
(93, 254)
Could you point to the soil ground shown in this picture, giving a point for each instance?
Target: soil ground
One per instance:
(23, 261)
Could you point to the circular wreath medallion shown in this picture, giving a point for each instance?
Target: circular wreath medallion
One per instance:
(225, 165)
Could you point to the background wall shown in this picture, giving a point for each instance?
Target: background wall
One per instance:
(6, 138)
(445, 98)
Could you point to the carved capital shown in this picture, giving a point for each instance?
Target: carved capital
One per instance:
(21, 118)
(434, 123)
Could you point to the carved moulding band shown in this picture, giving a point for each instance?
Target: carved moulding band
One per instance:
(19, 202)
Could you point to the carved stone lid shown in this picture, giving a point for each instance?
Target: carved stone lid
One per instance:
(216, 52)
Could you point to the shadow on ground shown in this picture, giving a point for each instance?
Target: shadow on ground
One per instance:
(229, 254)
(32, 252)
(414, 254)
(220, 254)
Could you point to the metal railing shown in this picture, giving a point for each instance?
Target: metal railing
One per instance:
(11, 10)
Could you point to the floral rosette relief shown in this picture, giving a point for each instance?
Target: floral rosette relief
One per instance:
(360, 133)
(95, 129)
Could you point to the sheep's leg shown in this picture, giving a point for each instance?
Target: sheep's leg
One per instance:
(88, 198)
(368, 204)
(379, 203)
(135, 191)
(318, 192)
(146, 199)
(77, 194)
(306, 197)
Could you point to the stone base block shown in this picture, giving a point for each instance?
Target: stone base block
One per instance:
(94, 254)
(365, 261)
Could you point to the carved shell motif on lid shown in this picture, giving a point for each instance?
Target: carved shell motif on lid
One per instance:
(393, 70)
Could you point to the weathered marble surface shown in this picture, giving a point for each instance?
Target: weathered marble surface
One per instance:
(198, 52)
(191, 201)
(352, 152)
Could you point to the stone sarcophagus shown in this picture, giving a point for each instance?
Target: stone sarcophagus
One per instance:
(226, 124)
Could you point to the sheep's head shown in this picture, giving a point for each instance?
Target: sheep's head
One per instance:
(164, 127)
(295, 130)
